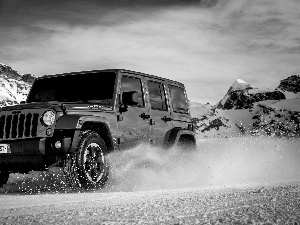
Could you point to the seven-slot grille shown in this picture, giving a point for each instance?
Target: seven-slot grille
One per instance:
(18, 125)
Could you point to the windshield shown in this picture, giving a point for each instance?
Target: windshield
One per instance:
(88, 87)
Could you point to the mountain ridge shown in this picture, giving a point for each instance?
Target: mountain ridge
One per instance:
(245, 110)
(14, 86)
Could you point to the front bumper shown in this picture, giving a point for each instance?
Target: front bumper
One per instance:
(32, 154)
(24, 163)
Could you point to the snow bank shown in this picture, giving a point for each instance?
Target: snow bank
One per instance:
(287, 104)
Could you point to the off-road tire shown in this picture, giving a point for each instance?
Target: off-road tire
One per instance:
(3, 177)
(87, 168)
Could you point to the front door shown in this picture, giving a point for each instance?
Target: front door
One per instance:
(160, 115)
(133, 125)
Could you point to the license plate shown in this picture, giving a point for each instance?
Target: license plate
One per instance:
(4, 148)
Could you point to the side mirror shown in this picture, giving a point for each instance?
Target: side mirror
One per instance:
(129, 98)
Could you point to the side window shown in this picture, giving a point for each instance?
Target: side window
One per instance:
(157, 96)
(133, 84)
(178, 100)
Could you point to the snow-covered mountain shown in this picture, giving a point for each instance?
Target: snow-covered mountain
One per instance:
(242, 95)
(290, 87)
(14, 86)
(254, 111)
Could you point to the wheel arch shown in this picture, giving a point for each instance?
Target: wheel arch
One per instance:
(103, 130)
(81, 123)
(173, 136)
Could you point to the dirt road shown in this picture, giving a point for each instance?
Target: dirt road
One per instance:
(268, 205)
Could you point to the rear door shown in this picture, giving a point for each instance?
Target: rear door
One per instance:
(179, 106)
(160, 113)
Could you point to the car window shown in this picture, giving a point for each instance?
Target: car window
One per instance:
(178, 99)
(157, 96)
(133, 84)
(75, 87)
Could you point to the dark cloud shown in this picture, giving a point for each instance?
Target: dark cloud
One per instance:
(208, 3)
(15, 12)
(46, 8)
(111, 3)
(39, 18)
(53, 5)
(293, 50)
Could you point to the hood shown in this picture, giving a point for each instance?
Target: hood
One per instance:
(57, 106)
(39, 105)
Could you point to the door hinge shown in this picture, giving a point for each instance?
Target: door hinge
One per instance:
(119, 118)
(152, 122)
(120, 140)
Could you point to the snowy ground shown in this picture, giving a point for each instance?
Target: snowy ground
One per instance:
(245, 180)
(268, 205)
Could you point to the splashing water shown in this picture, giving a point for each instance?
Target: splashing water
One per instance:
(216, 162)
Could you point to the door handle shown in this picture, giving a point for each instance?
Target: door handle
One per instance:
(144, 116)
(166, 119)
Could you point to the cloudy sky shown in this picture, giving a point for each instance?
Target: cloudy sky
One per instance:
(206, 44)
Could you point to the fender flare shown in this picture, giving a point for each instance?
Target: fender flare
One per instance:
(78, 122)
(172, 136)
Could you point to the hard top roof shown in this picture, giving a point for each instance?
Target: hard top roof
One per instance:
(115, 70)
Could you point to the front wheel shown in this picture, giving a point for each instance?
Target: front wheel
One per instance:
(88, 167)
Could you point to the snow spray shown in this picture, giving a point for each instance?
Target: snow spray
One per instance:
(230, 162)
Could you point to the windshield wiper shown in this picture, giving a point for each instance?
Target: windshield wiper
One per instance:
(104, 101)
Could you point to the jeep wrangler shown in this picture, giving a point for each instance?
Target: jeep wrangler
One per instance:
(74, 120)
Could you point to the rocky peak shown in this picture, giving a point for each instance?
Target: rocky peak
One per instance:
(239, 85)
(9, 72)
(290, 84)
(242, 95)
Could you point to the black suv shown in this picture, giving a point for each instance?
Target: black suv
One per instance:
(75, 119)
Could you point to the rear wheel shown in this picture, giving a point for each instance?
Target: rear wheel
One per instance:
(186, 142)
(3, 177)
(88, 167)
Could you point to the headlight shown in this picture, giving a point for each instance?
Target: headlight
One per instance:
(48, 118)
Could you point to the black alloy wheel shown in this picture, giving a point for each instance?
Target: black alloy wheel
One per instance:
(88, 167)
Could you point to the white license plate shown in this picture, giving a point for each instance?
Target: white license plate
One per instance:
(4, 148)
